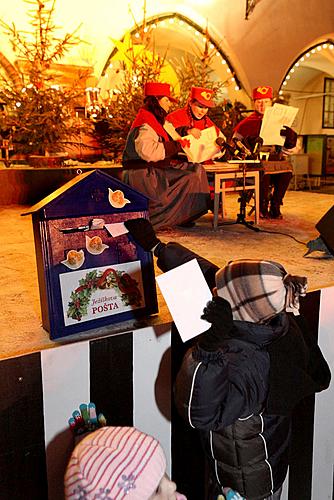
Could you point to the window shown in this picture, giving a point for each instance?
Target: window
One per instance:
(328, 104)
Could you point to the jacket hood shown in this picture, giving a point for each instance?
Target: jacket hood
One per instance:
(262, 335)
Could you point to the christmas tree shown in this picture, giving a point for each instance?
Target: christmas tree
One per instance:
(139, 64)
(40, 114)
(196, 71)
(227, 115)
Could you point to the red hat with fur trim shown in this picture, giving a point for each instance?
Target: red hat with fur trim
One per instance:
(203, 96)
(158, 89)
(263, 93)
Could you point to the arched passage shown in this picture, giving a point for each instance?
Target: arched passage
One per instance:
(179, 40)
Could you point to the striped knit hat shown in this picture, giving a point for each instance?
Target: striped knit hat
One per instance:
(115, 463)
(259, 289)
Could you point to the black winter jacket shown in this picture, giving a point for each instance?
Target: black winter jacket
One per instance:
(223, 394)
(240, 397)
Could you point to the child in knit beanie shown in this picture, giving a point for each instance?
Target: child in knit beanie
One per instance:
(115, 463)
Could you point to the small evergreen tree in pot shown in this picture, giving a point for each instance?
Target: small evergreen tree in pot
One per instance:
(39, 112)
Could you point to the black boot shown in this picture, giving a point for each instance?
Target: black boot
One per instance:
(264, 211)
(275, 212)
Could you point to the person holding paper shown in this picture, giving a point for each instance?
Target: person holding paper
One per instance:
(248, 131)
(241, 383)
(178, 192)
(193, 118)
(242, 379)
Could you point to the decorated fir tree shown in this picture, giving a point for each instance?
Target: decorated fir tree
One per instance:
(139, 63)
(39, 112)
(226, 115)
(196, 70)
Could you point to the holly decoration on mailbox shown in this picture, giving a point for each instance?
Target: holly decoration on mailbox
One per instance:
(95, 280)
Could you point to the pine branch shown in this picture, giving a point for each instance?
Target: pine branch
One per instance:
(39, 117)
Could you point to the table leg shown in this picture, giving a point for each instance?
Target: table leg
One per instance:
(257, 196)
(216, 210)
(216, 202)
(223, 191)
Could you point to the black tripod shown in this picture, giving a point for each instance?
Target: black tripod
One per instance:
(241, 216)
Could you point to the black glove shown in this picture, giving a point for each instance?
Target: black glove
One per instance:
(290, 137)
(172, 148)
(218, 312)
(142, 232)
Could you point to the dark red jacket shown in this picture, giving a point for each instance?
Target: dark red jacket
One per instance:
(183, 120)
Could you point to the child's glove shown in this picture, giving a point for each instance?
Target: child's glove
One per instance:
(218, 312)
(142, 232)
(86, 420)
(232, 495)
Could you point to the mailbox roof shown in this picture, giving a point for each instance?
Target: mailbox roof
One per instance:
(87, 194)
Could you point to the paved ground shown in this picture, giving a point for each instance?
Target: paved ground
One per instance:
(20, 318)
(280, 240)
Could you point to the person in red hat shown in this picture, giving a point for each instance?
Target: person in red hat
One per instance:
(192, 118)
(248, 131)
(178, 191)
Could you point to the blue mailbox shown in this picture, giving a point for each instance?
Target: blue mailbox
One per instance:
(90, 271)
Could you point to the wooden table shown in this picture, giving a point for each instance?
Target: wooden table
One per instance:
(276, 167)
(226, 171)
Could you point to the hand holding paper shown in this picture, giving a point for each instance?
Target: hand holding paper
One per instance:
(202, 149)
(218, 312)
(273, 121)
(186, 293)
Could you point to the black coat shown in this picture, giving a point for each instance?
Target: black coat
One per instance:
(240, 397)
(224, 395)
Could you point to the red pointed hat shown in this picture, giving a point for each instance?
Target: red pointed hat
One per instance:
(158, 89)
(203, 96)
(263, 93)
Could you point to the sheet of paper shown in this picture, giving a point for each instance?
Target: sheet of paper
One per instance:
(116, 229)
(186, 294)
(170, 129)
(274, 119)
(204, 148)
